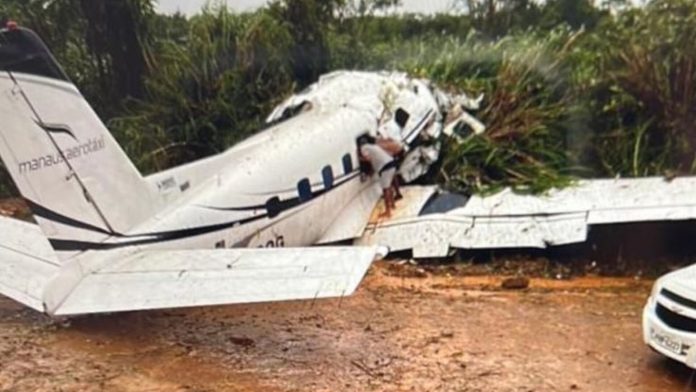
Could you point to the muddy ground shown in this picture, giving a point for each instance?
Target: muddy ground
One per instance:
(437, 327)
(408, 328)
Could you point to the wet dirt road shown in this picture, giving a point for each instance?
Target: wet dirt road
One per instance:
(402, 331)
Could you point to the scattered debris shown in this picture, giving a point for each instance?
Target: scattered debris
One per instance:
(516, 283)
(244, 342)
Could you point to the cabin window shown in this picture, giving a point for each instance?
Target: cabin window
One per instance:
(327, 175)
(273, 207)
(304, 188)
(347, 164)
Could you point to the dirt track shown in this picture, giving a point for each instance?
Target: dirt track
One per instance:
(400, 332)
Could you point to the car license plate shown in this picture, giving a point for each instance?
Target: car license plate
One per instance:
(666, 341)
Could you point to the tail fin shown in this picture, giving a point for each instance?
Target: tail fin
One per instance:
(79, 182)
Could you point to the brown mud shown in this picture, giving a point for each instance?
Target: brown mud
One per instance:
(406, 329)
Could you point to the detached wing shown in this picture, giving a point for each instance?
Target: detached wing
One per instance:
(170, 279)
(511, 220)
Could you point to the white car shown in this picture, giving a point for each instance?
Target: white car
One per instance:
(669, 317)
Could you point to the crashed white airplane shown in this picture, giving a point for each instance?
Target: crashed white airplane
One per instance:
(236, 227)
(227, 229)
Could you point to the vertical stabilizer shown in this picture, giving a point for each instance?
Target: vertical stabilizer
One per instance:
(78, 181)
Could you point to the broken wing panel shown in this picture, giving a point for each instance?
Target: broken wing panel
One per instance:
(607, 201)
(561, 217)
(27, 262)
(170, 279)
(435, 235)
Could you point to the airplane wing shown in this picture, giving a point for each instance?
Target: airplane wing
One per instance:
(182, 278)
(510, 220)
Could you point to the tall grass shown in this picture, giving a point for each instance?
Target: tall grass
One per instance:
(616, 100)
(530, 108)
(209, 91)
(642, 90)
(619, 100)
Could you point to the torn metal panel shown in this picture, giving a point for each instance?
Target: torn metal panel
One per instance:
(382, 95)
(561, 217)
(444, 231)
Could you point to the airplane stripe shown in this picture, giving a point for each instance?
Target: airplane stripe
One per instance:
(49, 214)
(339, 181)
(418, 126)
(248, 208)
(72, 245)
(57, 128)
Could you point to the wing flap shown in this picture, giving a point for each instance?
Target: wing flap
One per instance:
(170, 279)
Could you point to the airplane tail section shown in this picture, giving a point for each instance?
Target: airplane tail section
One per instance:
(78, 181)
(27, 263)
(127, 280)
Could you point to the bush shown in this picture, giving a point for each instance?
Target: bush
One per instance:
(643, 91)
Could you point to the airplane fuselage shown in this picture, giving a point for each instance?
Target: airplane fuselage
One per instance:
(282, 187)
(113, 240)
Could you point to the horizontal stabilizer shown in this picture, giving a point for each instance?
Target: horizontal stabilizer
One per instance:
(171, 279)
(27, 262)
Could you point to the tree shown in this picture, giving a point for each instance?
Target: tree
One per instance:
(115, 34)
(499, 17)
(575, 13)
(101, 44)
(308, 21)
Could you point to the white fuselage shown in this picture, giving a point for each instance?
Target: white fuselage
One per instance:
(296, 183)
(289, 184)
(282, 187)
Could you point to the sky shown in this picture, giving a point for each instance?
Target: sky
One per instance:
(190, 7)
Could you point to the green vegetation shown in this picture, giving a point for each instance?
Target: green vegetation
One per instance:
(571, 90)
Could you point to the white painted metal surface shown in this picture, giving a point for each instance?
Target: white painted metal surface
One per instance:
(169, 279)
(27, 262)
(352, 220)
(509, 220)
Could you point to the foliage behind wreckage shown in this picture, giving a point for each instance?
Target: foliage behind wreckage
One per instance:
(571, 90)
